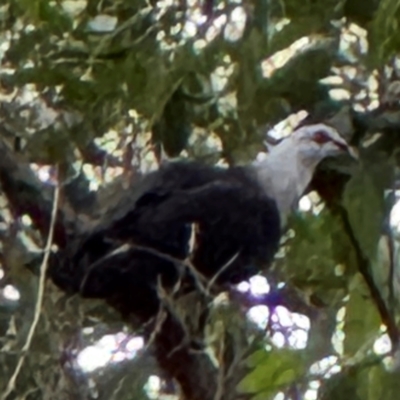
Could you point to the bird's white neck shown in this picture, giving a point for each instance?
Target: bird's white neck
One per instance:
(285, 175)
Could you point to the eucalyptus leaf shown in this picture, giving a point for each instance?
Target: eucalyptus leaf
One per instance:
(365, 204)
(362, 320)
(273, 370)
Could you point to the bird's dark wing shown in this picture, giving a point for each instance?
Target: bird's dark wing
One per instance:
(162, 219)
(152, 238)
(233, 218)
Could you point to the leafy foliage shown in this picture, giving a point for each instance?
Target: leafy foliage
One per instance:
(274, 370)
(361, 322)
(100, 87)
(367, 217)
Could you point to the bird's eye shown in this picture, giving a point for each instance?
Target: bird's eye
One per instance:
(321, 137)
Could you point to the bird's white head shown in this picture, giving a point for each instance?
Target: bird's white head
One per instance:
(319, 141)
(290, 165)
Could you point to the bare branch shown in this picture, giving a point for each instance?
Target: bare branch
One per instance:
(365, 269)
(193, 370)
(39, 300)
(27, 195)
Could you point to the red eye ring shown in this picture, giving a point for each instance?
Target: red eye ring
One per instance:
(321, 137)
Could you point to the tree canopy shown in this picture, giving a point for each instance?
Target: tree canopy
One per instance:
(95, 93)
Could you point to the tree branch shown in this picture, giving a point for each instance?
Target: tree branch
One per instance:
(95, 155)
(27, 195)
(193, 369)
(365, 269)
(39, 301)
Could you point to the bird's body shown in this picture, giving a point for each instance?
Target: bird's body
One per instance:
(236, 229)
(236, 215)
(232, 216)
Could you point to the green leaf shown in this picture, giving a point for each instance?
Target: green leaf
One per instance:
(249, 74)
(361, 11)
(364, 381)
(273, 370)
(293, 9)
(384, 35)
(364, 201)
(341, 386)
(362, 320)
(298, 82)
(49, 146)
(382, 384)
(173, 128)
(316, 249)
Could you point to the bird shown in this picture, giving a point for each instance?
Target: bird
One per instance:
(198, 222)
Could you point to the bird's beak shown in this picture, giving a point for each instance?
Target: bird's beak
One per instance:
(344, 146)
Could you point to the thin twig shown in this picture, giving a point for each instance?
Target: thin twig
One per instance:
(392, 262)
(221, 270)
(365, 269)
(39, 300)
(159, 320)
(199, 278)
(392, 272)
(221, 373)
